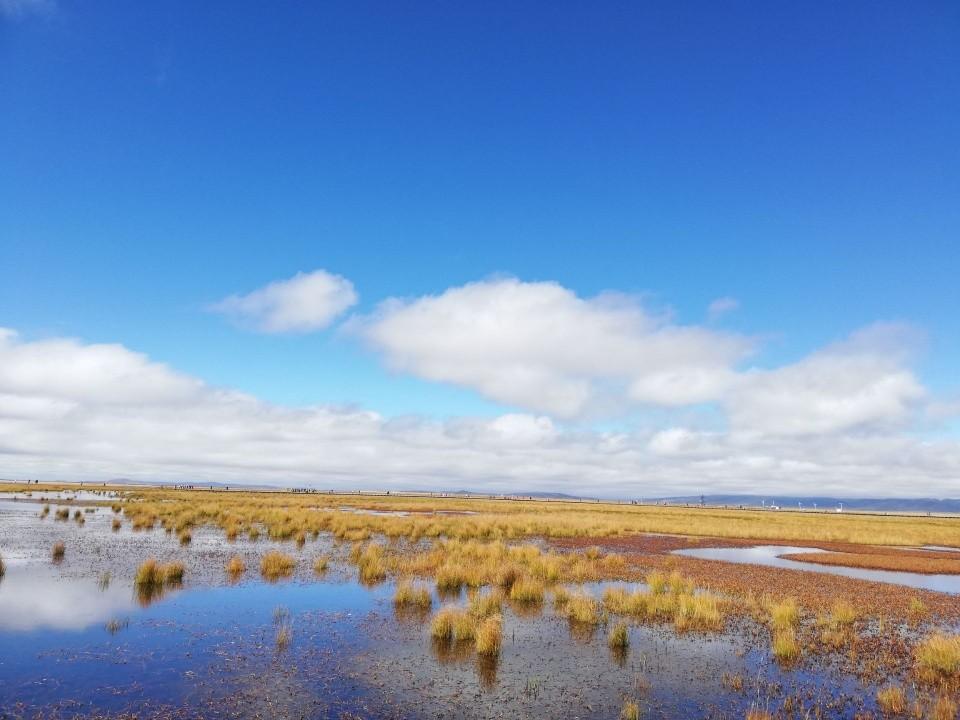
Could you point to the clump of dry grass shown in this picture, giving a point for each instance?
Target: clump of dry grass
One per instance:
(284, 635)
(944, 709)
(937, 658)
(152, 574)
(785, 647)
(630, 711)
(918, 610)
(185, 537)
(583, 608)
(59, 550)
(527, 590)
(409, 594)
(371, 562)
(697, 612)
(45, 511)
(320, 564)
(758, 714)
(484, 605)
(451, 623)
(892, 700)
(489, 635)
(3, 567)
(116, 524)
(561, 596)
(275, 565)
(619, 637)
(784, 614)
(62, 514)
(236, 566)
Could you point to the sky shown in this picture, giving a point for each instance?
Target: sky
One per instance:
(622, 249)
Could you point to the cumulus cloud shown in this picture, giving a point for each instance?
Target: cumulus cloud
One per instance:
(303, 303)
(855, 384)
(70, 410)
(540, 347)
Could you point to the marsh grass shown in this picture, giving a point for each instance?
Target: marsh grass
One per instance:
(58, 551)
(561, 596)
(619, 637)
(784, 614)
(937, 659)
(484, 605)
(103, 582)
(320, 564)
(45, 511)
(62, 514)
(698, 612)
(185, 537)
(836, 628)
(409, 594)
(489, 635)
(918, 611)
(152, 574)
(892, 700)
(452, 623)
(785, 647)
(527, 590)
(115, 625)
(944, 709)
(283, 638)
(3, 567)
(758, 714)
(275, 565)
(116, 524)
(236, 567)
(584, 609)
(630, 711)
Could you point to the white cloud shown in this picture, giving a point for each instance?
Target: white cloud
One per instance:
(303, 303)
(856, 384)
(540, 347)
(722, 306)
(101, 411)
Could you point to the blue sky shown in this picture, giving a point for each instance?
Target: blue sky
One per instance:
(156, 158)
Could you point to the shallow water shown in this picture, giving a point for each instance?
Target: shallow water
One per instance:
(72, 646)
(770, 555)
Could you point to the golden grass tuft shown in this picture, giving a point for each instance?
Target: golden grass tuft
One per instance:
(185, 537)
(116, 524)
(58, 551)
(758, 714)
(944, 709)
(698, 612)
(527, 590)
(583, 608)
(275, 565)
(784, 614)
(152, 574)
(236, 566)
(619, 637)
(785, 647)
(938, 658)
(484, 605)
(3, 567)
(284, 635)
(630, 711)
(489, 635)
(451, 623)
(561, 596)
(892, 700)
(321, 563)
(409, 594)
